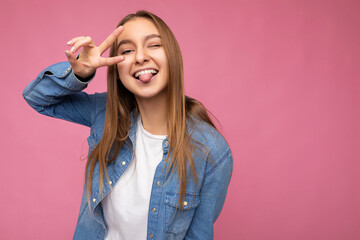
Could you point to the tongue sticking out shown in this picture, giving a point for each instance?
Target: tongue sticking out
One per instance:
(145, 77)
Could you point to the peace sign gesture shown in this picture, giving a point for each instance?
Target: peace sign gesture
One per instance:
(90, 56)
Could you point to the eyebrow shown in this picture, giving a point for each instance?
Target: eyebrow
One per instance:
(124, 41)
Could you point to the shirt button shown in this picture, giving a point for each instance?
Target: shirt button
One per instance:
(110, 182)
(166, 142)
(68, 69)
(154, 209)
(158, 183)
(123, 162)
(151, 235)
(185, 203)
(94, 200)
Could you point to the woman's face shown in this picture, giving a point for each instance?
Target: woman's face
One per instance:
(144, 72)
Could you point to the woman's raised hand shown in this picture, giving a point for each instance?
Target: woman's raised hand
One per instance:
(90, 56)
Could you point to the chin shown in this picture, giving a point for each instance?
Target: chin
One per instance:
(150, 94)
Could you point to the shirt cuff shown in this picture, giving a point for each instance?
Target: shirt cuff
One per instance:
(85, 80)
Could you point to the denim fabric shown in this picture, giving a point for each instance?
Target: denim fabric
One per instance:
(56, 92)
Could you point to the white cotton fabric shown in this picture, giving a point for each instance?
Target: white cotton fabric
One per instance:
(126, 206)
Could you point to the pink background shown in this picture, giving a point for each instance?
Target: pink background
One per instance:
(282, 77)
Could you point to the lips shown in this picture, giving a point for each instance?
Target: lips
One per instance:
(144, 71)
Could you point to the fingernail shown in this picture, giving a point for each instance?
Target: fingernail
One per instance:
(67, 54)
(72, 49)
(69, 42)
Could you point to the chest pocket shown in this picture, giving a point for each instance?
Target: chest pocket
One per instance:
(177, 223)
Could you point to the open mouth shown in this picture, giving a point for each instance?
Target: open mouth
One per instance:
(145, 75)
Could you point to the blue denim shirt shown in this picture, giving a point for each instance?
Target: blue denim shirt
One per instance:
(56, 92)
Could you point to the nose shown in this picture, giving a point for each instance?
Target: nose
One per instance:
(141, 56)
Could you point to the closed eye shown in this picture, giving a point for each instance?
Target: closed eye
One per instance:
(156, 45)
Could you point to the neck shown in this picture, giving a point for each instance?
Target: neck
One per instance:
(153, 113)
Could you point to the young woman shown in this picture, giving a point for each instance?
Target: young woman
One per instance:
(157, 167)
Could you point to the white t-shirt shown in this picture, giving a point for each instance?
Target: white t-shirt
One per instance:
(126, 206)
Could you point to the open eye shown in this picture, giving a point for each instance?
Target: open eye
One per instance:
(125, 52)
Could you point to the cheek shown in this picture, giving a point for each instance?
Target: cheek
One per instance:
(126, 84)
(122, 69)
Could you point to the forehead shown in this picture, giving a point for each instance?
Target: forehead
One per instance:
(137, 28)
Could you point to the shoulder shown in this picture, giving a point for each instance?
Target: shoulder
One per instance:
(210, 142)
(100, 98)
(98, 108)
(206, 134)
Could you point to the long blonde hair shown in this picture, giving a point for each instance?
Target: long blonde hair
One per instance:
(120, 102)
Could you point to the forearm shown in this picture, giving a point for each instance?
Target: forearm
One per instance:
(57, 92)
(52, 85)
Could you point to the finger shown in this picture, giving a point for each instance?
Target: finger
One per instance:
(72, 41)
(111, 61)
(71, 58)
(110, 39)
(82, 42)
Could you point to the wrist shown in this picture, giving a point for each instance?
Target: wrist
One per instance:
(84, 78)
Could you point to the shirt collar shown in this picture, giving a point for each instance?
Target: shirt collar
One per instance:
(191, 123)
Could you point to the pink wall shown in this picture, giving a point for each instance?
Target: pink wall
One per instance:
(281, 76)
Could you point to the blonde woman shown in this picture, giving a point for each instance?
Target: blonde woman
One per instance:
(157, 167)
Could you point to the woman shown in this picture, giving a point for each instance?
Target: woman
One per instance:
(157, 167)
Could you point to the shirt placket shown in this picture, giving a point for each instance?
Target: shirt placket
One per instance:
(156, 193)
